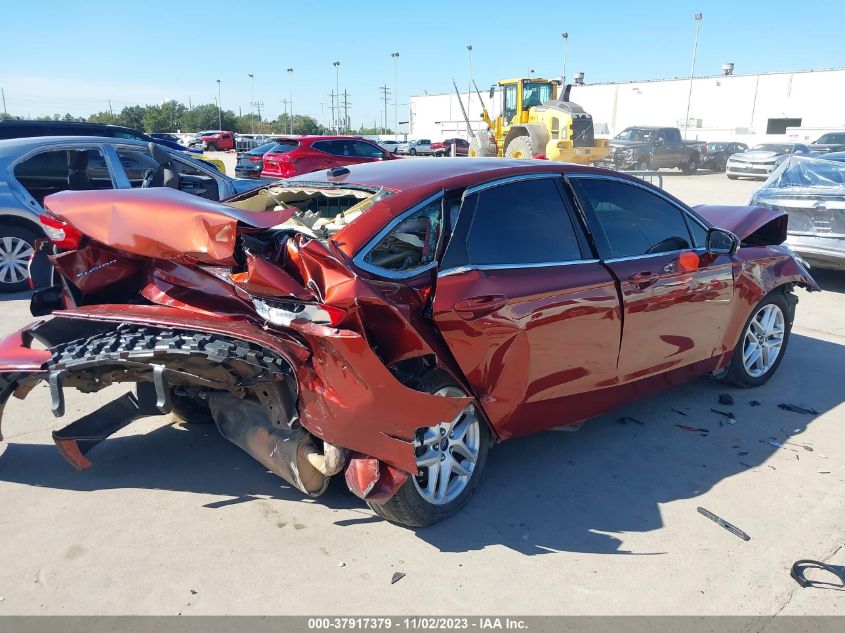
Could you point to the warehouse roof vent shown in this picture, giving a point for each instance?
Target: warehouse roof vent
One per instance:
(728, 69)
(579, 79)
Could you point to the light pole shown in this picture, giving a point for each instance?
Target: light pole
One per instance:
(697, 17)
(219, 108)
(290, 94)
(565, 36)
(252, 100)
(469, 86)
(395, 57)
(337, 91)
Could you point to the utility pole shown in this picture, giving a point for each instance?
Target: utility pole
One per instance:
(110, 110)
(258, 105)
(2, 92)
(323, 113)
(252, 100)
(469, 88)
(285, 103)
(337, 90)
(697, 17)
(190, 107)
(219, 109)
(385, 91)
(345, 111)
(334, 120)
(395, 57)
(565, 36)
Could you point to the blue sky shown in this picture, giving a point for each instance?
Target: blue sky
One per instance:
(75, 56)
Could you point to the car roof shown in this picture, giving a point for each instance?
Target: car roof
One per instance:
(24, 143)
(431, 175)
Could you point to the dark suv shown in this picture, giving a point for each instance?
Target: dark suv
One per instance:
(24, 129)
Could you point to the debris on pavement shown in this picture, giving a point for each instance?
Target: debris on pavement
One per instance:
(777, 444)
(341, 564)
(626, 419)
(694, 429)
(754, 403)
(806, 447)
(720, 521)
(726, 398)
(796, 409)
(728, 414)
(679, 412)
(800, 566)
(397, 576)
(742, 453)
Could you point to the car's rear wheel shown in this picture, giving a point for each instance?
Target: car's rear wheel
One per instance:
(450, 459)
(211, 147)
(16, 248)
(763, 341)
(732, 177)
(413, 152)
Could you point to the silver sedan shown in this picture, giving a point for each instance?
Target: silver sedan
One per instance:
(32, 168)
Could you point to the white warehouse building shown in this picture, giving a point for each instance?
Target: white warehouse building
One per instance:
(797, 106)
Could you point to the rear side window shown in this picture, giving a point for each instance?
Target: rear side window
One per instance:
(282, 147)
(335, 148)
(520, 223)
(634, 221)
(412, 244)
(52, 171)
(366, 150)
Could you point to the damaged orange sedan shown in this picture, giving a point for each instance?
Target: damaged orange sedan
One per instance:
(391, 322)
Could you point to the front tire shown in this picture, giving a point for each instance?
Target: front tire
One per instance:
(17, 244)
(413, 152)
(520, 147)
(732, 177)
(763, 341)
(450, 457)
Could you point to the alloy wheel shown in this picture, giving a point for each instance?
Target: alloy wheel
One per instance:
(763, 340)
(447, 454)
(14, 259)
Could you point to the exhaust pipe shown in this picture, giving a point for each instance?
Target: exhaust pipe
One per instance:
(289, 453)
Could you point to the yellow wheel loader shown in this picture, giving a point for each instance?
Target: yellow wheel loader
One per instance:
(534, 123)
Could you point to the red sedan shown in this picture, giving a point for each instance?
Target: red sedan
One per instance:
(393, 321)
(304, 154)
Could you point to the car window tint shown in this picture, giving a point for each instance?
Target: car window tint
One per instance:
(634, 221)
(281, 147)
(412, 244)
(52, 171)
(136, 163)
(335, 148)
(521, 223)
(365, 150)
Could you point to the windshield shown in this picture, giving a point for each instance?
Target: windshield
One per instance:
(635, 134)
(534, 94)
(771, 147)
(715, 147)
(831, 139)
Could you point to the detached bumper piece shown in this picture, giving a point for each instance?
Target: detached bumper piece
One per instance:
(78, 438)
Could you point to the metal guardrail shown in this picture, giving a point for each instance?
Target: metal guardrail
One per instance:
(648, 176)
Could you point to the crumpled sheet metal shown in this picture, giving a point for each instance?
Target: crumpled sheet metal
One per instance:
(161, 222)
(265, 279)
(347, 396)
(748, 222)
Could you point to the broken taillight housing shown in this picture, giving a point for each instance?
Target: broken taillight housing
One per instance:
(284, 312)
(60, 233)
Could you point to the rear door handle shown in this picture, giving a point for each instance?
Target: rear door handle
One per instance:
(476, 307)
(643, 279)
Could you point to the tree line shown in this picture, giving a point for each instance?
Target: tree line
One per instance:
(174, 116)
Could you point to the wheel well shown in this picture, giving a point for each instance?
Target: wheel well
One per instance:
(14, 220)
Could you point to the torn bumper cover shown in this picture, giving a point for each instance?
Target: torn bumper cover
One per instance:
(340, 393)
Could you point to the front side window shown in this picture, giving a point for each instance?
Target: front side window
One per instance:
(365, 150)
(522, 222)
(412, 244)
(136, 163)
(634, 221)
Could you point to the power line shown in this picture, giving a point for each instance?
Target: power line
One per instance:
(385, 92)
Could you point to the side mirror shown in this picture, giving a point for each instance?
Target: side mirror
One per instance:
(721, 242)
